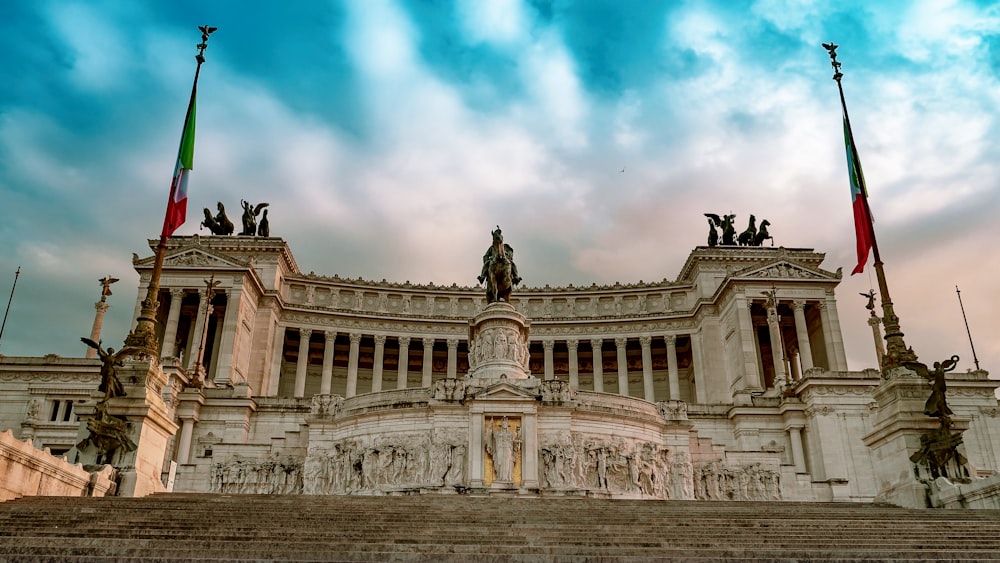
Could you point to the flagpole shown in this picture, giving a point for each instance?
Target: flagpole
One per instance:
(9, 301)
(143, 336)
(897, 352)
(967, 331)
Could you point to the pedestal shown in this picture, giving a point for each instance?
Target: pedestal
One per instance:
(138, 430)
(498, 343)
(896, 435)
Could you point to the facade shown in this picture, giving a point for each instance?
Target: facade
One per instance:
(729, 382)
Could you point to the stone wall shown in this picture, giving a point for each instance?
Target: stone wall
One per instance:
(25, 470)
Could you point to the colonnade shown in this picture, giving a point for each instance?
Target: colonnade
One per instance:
(457, 348)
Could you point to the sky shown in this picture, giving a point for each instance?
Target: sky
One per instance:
(390, 137)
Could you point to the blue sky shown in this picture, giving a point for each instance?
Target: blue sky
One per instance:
(390, 137)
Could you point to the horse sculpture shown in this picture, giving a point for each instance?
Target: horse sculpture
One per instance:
(748, 237)
(220, 224)
(499, 271)
(762, 234)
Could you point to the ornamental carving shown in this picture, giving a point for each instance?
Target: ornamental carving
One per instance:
(752, 482)
(819, 410)
(784, 271)
(326, 406)
(498, 343)
(269, 476)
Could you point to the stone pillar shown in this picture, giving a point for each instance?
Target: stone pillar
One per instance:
(673, 378)
(277, 357)
(452, 357)
(700, 391)
(352, 365)
(831, 353)
(647, 368)
(184, 443)
(170, 331)
(793, 365)
(225, 371)
(548, 345)
(95, 331)
(326, 380)
(302, 364)
(377, 363)
(596, 344)
(777, 346)
(798, 455)
(622, 361)
(835, 335)
(404, 361)
(428, 362)
(802, 335)
(199, 331)
(753, 380)
(873, 321)
(574, 364)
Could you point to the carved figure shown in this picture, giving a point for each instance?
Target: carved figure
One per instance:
(937, 404)
(499, 270)
(250, 214)
(726, 224)
(106, 286)
(502, 445)
(264, 228)
(749, 236)
(110, 384)
(762, 234)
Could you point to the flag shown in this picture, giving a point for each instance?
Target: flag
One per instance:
(859, 199)
(177, 205)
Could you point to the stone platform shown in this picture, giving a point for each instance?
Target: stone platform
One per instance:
(206, 527)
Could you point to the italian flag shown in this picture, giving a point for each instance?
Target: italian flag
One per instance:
(859, 200)
(177, 205)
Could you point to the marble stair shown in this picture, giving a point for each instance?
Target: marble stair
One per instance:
(212, 527)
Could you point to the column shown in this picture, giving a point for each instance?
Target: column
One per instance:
(622, 366)
(647, 368)
(95, 331)
(699, 373)
(277, 356)
(377, 363)
(802, 335)
(831, 354)
(184, 445)
(793, 365)
(326, 380)
(302, 363)
(596, 344)
(198, 332)
(777, 346)
(352, 365)
(548, 345)
(835, 335)
(798, 457)
(404, 361)
(452, 357)
(574, 364)
(428, 361)
(170, 331)
(223, 355)
(673, 378)
(752, 378)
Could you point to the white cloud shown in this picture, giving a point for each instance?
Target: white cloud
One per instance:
(498, 22)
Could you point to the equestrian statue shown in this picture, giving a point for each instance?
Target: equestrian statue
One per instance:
(499, 271)
(220, 224)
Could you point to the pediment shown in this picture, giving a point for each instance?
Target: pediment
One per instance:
(784, 270)
(506, 392)
(193, 258)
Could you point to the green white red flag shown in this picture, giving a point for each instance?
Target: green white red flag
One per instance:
(177, 204)
(859, 200)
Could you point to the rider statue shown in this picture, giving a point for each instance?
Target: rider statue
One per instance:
(491, 252)
(499, 271)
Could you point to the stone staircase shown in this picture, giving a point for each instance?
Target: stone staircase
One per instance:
(212, 527)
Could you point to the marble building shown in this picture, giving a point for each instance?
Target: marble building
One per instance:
(728, 382)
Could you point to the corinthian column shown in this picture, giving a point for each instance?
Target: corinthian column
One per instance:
(595, 345)
(326, 379)
(377, 366)
(802, 335)
(404, 361)
(428, 362)
(95, 331)
(352, 364)
(622, 360)
(303, 362)
(170, 331)
(574, 364)
(452, 357)
(548, 345)
(647, 368)
(673, 376)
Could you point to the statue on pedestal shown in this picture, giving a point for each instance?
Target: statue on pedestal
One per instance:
(110, 384)
(503, 445)
(499, 271)
(937, 404)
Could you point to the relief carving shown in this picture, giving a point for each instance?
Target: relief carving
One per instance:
(752, 482)
(268, 476)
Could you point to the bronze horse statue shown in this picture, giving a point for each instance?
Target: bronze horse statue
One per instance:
(748, 236)
(220, 224)
(499, 271)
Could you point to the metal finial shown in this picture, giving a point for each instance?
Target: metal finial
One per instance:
(205, 32)
(832, 49)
